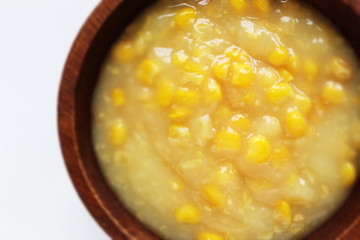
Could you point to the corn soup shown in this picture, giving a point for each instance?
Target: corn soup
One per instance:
(229, 119)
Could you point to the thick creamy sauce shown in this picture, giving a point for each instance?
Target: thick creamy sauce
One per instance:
(229, 119)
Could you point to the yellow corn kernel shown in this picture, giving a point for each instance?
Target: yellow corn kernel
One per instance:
(179, 57)
(185, 16)
(310, 68)
(117, 133)
(242, 74)
(262, 5)
(303, 103)
(348, 174)
(284, 210)
(279, 92)
(295, 123)
(165, 93)
(117, 97)
(259, 150)
(209, 236)
(214, 194)
(186, 97)
(280, 156)
(279, 56)
(221, 69)
(293, 64)
(239, 122)
(147, 71)
(228, 140)
(239, 5)
(340, 69)
(213, 93)
(268, 77)
(286, 75)
(333, 93)
(188, 214)
(124, 52)
(179, 113)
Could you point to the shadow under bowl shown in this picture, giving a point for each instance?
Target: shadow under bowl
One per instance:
(79, 79)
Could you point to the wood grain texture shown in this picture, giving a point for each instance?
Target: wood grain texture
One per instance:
(355, 4)
(74, 119)
(78, 81)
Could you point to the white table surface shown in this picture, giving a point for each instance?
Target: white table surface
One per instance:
(37, 199)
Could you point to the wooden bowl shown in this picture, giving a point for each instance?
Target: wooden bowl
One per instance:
(74, 118)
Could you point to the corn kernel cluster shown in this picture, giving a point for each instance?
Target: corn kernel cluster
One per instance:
(220, 120)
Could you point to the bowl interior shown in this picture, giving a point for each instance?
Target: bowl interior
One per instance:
(77, 87)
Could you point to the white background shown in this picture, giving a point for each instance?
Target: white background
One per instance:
(37, 199)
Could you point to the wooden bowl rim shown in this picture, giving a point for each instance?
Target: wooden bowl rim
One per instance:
(67, 126)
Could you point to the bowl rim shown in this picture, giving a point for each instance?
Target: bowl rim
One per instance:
(66, 112)
(79, 174)
(68, 134)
